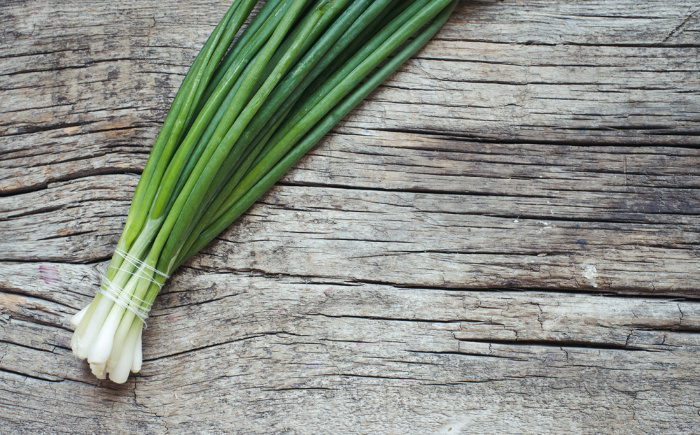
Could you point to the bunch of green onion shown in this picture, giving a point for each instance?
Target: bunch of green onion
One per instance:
(246, 111)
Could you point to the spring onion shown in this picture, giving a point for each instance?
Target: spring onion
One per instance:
(246, 112)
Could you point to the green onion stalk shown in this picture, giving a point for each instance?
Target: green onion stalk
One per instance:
(248, 109)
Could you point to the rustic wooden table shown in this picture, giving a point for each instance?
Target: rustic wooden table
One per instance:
(502, 239)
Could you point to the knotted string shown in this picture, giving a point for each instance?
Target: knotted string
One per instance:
(125, 300)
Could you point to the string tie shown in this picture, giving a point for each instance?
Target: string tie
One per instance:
(122, 298)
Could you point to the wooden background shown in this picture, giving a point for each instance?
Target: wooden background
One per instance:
(502, 239)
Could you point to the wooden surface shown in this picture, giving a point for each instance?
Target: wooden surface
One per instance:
(502, 239)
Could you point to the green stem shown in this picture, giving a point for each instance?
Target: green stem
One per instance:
(265, 21)
(442, 9)
(211, 160)
(280, 102)
(169, 137)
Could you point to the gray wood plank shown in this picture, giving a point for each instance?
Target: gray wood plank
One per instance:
(502, 239)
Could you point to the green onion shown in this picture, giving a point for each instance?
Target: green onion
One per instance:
(245, 113)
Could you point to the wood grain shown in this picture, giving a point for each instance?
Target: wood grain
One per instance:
(502, 239)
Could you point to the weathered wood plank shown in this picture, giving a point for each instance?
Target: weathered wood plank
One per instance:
(306, 349)
(502, 239)
(507, 220)
(497, 89)
(595, 22)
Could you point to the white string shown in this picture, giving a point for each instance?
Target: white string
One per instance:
(121, 298)
(125, 300)
(138, 263)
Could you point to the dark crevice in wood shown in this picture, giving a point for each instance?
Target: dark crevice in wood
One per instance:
(87, 64)
(660, 45)
(390, 190)
(621, 292)
(86, 173)
(214, 345)
(559, 344)
(396, 319)
(651, 296)
(28, 376)
(302, 389)
(43, 128)
(30, 347)
(47, 209)
(30, 319)
(461, 136)
(35, 295)
(356, 375)
(400, 361)
(617, 150)
(57, 260)
(63, 236)
(41, 53)
(162, 307)
(679, 330)
(460, 353)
